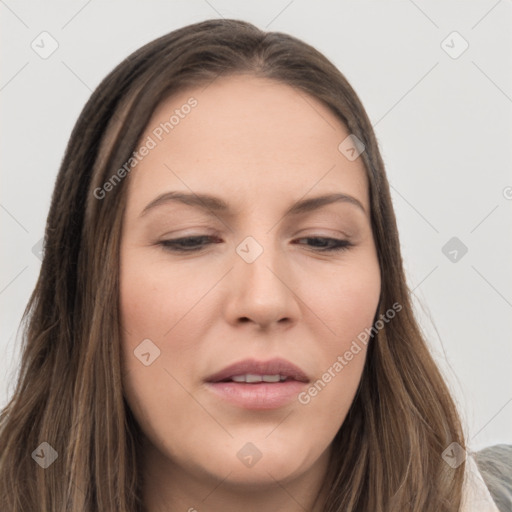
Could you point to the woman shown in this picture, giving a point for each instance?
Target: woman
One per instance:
(222, 319)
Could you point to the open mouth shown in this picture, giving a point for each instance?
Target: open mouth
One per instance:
(251, 378)
(252, 384)
(253, 371)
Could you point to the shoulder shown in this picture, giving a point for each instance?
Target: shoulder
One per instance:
(495, 466)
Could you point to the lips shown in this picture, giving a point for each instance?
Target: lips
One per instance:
(258, 385)
(268, 371)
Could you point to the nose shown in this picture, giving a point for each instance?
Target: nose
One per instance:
(261, 292)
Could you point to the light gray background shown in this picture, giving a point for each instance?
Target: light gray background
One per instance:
(443, 125)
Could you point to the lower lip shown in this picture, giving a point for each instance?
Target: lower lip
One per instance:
(261, 395)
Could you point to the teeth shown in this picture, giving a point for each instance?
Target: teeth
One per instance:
(238, 378)
(271, 378)
(250, 378)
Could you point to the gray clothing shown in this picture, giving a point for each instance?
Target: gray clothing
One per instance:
(495, 465)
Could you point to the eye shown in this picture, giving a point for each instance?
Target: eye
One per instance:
(185, 244)
(197, 243)
(333, 244)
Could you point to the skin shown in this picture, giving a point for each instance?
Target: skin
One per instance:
(260, 146)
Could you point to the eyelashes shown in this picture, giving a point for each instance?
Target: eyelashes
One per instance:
(184, 245)
(189, 244)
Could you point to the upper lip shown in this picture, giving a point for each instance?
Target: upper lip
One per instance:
(255, 367)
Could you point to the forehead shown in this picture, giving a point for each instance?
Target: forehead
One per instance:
(249, 139)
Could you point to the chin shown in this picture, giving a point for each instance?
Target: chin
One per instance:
(260, 476)
(246, 467)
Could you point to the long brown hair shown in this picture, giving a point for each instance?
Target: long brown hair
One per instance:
(387, 455)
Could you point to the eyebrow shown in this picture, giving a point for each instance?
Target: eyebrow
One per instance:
(216, 204)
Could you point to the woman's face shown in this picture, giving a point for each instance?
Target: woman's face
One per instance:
(257, 286)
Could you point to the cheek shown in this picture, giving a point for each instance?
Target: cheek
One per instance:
(346, 301)
(346, 304)
(153, 300)
(154, 296)
(155, 304)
